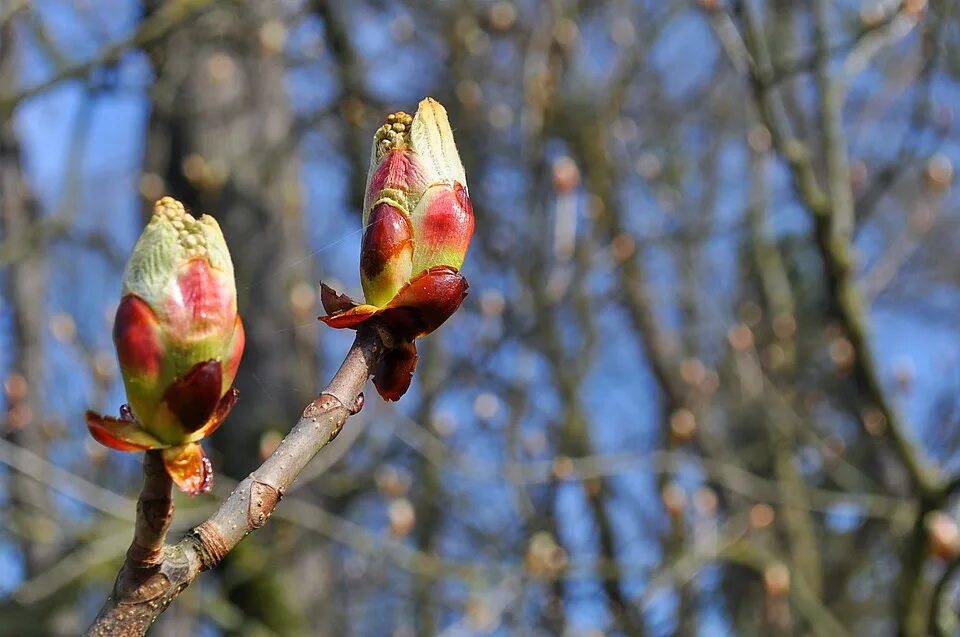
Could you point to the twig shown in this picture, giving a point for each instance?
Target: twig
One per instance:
(909, 145)
(154, 514)
(729, 476)
(73, 566)
(820, 618)
(156, 28)
(154, 573)
(58, 478)
(11, 9)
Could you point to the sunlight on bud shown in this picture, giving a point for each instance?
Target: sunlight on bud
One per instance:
(502, 15)
(710, 383)
(392, 481)
(874, 421)
(842, 353)
(486, 406)
(566, 32)
(761, 515)
(492, 302)
(303, 297)
(151, 186)
(622, 247)
(914, 7)
(683, 426)
(566, 174)
(943, 535)
(563, 467)
(648, 166)
(402, 517)
(19, 417)
(939, 172)
(592, 487)
(353, 110)
(784, 326)
(705, 501)
(776, 580)
(481, 617)
(872, 13)
(273, 37)
(104, 365)
(674, 498)
(63, 328)
(221, 68)
(692, 371)
(15, 386)
(545, 558)
(443, 423)
(740, 337)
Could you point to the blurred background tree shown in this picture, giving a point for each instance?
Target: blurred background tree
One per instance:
(706, 380)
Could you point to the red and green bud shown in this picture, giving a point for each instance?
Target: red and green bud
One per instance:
(418, 221)
(179, 341)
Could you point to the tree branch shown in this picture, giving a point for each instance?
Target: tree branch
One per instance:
(831, 212)
(155, 573)
(171, 16)
(939, 596)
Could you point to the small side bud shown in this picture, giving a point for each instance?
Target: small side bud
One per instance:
(943, 535)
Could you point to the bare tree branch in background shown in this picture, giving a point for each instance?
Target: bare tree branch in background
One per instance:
(706, 377)
(25, 287)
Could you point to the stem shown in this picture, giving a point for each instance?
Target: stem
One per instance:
(154, 573)
(154, 514)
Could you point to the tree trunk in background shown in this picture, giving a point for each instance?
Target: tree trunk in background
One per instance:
(25, 290)
(219, 118)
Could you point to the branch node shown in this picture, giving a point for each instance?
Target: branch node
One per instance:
(210, 545)
(144, 557)
(326, 404)
(263, 499)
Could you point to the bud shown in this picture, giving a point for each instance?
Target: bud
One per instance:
(943, 535)
(179, 341)
(418, 221)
